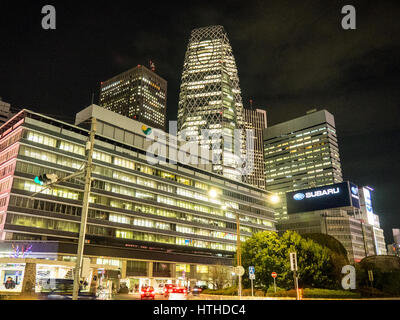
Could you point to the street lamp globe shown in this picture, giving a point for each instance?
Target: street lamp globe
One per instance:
(274, 198)
(213, 193)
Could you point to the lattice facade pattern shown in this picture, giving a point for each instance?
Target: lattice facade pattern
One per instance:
(256, 120)
(210, 98)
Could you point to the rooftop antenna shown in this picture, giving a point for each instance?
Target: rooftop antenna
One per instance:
(92, 97)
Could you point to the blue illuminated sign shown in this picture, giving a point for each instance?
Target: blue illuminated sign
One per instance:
(299, 196)
(331, 196)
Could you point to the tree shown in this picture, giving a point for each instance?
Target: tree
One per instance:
(219, 276)
(339, 256)
(268, 253)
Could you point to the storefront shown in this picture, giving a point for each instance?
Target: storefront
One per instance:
(11, 275)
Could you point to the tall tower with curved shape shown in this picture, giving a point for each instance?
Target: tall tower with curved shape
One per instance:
(210, 98)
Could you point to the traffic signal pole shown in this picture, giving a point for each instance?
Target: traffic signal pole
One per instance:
(85, 207)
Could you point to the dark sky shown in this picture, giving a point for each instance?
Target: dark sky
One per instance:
(292, 56)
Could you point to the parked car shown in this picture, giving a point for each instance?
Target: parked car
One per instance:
(147, 293)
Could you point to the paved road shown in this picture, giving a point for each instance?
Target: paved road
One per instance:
(136, 296)
(214, 297)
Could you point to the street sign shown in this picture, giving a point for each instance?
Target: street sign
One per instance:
(251, 270)
(293, 261)
(274, 275)
(240, 270)
(370, 275)
(252, 276)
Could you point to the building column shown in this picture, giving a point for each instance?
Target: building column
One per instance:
(173, 272)
(123, 269)
(150, 269)
(29, 282)
(94, 281)
(193, 275)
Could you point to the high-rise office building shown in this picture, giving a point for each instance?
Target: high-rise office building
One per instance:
(256, 120)
(210, 98)
(139, 94)
(148, 221)
(301, 153)
(4, 111)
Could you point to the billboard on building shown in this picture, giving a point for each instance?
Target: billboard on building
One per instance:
(368, 205)
(336, 195)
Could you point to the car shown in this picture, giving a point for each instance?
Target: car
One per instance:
(160, 289)
(178, 293)
(147, 293)
(62, 289)
(63, 296)
(168, 288)
(196, 290)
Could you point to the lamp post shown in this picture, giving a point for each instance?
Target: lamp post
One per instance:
(238, 248)
(213, 194)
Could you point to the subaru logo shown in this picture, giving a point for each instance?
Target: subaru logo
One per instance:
(299, 196)
(354, 190)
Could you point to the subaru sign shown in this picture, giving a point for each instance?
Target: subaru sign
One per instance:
(355, 197)
(331, 196)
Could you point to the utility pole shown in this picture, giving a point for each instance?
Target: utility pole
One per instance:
(293, 267)
(238, 253)
(85, 207)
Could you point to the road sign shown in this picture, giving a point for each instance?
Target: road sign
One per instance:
(274, 275)
(240, 270)
(293, 261)
(252, 276)
(370, 275)
(251, 271)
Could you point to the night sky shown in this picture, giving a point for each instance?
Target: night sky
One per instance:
(292, 56)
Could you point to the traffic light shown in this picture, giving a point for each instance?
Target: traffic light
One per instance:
(46, 179)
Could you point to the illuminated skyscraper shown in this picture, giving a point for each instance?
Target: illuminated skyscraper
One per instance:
(210, 98)
(139, 94)
(301, 153)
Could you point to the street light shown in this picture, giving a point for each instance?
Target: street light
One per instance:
(213, 193)
(274, 198)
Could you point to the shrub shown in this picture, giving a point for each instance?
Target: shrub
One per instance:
(259, 293)
(326, 293)
(318, 293)
(230, 291)
(368, 292)
(272, 290)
